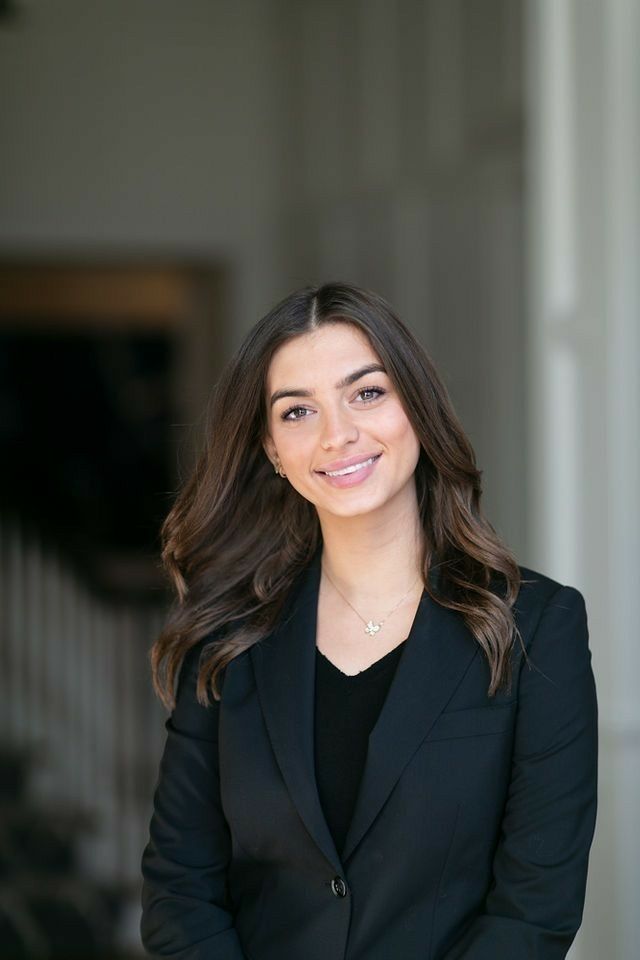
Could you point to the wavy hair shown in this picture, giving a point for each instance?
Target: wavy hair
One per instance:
(237, 536)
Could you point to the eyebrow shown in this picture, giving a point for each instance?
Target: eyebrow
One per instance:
(345, 382)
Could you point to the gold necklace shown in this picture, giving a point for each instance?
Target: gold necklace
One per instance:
(371, 626)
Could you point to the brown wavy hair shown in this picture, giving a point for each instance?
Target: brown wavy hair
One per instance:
(238, 535)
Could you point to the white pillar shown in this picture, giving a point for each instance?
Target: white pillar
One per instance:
(584, 394)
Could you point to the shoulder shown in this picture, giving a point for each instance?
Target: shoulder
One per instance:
(542, 599)
(552, 620)
(190, 666)
(555, 682)
(189, 714)
(536, 587)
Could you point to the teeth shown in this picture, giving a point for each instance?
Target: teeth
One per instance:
(351, 469)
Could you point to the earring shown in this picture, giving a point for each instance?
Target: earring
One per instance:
(277, 465)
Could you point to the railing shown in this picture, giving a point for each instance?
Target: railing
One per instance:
(76, 697)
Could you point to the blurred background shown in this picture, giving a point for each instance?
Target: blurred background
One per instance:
(167, 172)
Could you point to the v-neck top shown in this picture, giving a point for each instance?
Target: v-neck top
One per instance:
(346, 710)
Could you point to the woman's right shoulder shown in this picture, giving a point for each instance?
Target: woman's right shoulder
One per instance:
(188, 713)
(191, 660)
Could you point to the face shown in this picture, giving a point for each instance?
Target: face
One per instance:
(327, 410)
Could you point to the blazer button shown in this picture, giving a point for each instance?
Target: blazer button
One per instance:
(338, 887)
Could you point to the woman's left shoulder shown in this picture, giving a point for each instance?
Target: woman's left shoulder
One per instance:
(537, 590)
(545, 606)
(556, 685)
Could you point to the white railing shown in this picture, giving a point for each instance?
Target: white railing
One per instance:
(75, 691)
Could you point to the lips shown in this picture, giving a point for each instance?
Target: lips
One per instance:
(347, 462)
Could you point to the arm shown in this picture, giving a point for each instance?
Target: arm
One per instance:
(184, 863)
(534, 906)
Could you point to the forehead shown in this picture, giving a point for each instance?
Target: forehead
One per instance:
(333, 349)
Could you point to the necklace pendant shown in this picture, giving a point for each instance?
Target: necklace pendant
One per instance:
(372, 628)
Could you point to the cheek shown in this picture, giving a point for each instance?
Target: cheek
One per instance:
(295, 446)
(401, 432)
(412, 446)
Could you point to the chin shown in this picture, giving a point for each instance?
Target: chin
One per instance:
(355, 508)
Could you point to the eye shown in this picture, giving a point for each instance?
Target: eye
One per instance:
(300, 413)
(377, 390)
(285, 415)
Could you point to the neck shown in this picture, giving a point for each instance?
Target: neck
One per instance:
(375, 556)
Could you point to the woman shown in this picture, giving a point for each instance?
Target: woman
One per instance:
(383, 741)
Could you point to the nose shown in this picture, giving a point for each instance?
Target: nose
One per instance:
(338, 428)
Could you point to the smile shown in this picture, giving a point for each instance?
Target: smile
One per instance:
(352, 469)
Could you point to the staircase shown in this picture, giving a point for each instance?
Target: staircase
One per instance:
(81, 736)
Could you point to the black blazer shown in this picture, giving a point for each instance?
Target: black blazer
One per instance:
(471, 832)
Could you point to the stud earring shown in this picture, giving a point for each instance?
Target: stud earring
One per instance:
(277, 467)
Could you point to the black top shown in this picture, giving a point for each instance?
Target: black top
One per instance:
(346, 710)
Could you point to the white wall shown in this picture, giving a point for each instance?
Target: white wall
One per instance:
(143, 126)
(404, 159)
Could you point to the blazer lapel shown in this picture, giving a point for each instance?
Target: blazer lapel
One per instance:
(435, 656)
(284, 667)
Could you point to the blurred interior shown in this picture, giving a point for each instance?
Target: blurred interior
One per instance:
(167, 172)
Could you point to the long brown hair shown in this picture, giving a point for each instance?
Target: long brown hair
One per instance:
(239, 535)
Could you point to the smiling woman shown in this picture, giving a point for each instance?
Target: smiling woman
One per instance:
(361, 416)
(357, 763)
